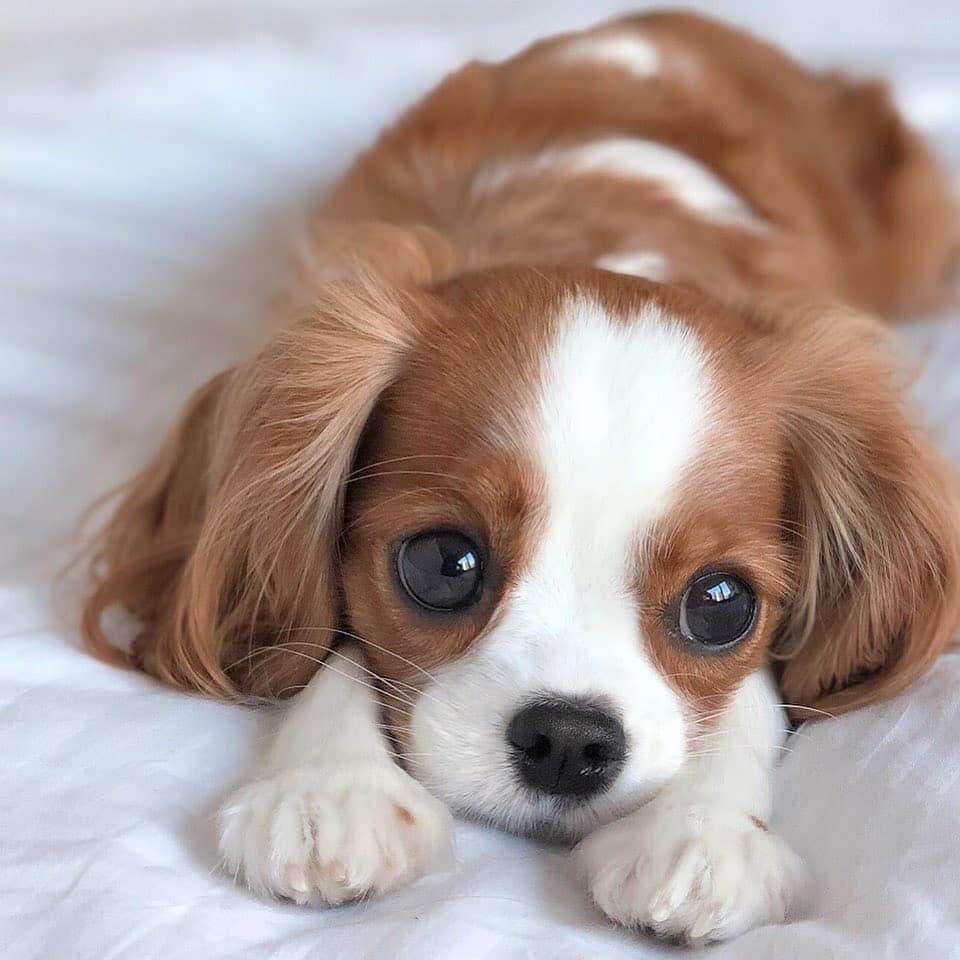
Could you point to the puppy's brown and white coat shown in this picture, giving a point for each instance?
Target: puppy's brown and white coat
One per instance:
(568, 519)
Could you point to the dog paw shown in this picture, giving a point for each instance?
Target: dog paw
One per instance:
(691, 873)
(332, 834)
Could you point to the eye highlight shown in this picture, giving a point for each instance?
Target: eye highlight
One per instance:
(717, 610)
(440, 570)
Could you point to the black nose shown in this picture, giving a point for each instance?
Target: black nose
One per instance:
(566, 749)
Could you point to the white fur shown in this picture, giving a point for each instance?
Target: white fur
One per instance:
(638, 263)
(693, 863)
(686, 180)
(629, 51)
(622, 410)
(332, 817)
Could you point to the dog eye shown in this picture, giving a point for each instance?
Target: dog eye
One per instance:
(717, 610)
(440, 570)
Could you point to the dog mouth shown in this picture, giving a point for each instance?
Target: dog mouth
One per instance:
(552, 827)
(560, 821)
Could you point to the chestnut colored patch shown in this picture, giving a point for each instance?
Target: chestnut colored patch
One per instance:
(447, 447)
(692, 539)
(404, 815)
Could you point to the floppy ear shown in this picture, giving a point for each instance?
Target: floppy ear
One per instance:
(873, 513)
(225, 546)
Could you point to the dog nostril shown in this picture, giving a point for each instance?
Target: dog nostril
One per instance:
(596, 753)
(539, 749)
(565, 748)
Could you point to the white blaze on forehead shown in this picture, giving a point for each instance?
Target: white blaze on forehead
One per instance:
(623, 410)
(684, 179)
(629, 51)
(638, 263)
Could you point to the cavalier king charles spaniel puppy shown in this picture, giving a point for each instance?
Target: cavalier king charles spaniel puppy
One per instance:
(576, 470)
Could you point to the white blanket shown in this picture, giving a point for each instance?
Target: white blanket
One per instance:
(150, 180)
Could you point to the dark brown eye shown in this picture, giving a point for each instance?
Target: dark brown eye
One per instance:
(440, 570)
(717, 610)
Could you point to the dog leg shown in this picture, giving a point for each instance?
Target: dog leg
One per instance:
(332, 817)
(698, 862)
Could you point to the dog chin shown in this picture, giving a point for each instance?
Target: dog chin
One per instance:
(554, 820)
(555, 828)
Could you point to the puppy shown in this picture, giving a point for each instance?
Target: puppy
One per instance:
(568, 478)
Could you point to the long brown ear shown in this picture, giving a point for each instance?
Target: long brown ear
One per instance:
(876, 519)
(225, 547)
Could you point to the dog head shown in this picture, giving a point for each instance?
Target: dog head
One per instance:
(568, 513)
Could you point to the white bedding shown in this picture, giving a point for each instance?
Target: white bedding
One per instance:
(150, 180)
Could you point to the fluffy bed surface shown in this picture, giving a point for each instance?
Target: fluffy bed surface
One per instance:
(150, 184)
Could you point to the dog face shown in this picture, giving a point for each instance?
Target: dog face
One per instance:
(552, 529)
(569, 513)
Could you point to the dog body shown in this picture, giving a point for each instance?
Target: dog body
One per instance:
(572, 445)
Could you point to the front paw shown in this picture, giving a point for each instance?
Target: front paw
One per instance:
(691, 873)
(332, 834)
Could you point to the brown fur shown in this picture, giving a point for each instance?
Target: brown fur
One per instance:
(226, 543)
(264, 524)
(876, 517)
(861, 208)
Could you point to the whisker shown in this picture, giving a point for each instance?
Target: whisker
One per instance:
(724, 750)
(402, 659)
(406, 473)
(389, 682)
(361, 517)
(331, 667)
(359, 639)
(399, 694)
(800, 706)
(712, 734)
(414, 456)
(410, 704)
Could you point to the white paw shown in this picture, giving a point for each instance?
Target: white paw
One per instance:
(691, 873)
(332, 834)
